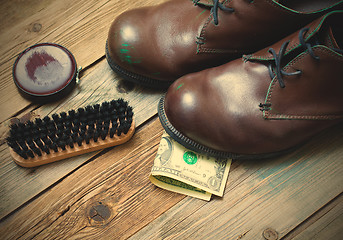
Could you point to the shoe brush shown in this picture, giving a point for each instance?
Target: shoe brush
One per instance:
(66, 135)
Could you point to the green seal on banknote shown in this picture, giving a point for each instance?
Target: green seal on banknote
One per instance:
(190, 157)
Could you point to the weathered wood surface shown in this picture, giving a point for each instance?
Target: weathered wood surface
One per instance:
(80, 26)
(18, 185)
(108, 195)
(327, 223)
(275, 194)
(118, 179)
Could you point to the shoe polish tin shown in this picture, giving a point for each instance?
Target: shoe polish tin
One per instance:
(45, 72)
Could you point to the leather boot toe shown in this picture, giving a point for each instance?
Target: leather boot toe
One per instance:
(127, 45)
(155, 45)
(265, 103)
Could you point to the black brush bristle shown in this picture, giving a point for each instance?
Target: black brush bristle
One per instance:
(66, 129)
(22, 154)
(23, 145)
(96, 136)
(103, 134)
(46, 149)
(62, 144)
(71, 113)
(29, 153)
(70, 142)
(63, 116)
(30, 143)
(79, 140)
(88, 138)
(36, 151)
(14, 127)
(55, 117)
(38, 121)
(54, 147)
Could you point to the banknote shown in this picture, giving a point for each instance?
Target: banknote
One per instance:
(181, 170)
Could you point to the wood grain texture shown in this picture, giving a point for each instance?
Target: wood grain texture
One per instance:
(99, 85)
(273, 194)
(107, 195)
(117, 181)
(80, 26)
(329, 227)
(16, 11)
(276, 193)
(327, 223)
(18, 185)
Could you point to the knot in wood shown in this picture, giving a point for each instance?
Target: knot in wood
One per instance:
(99, 212)
(36, 27)
(270, 234)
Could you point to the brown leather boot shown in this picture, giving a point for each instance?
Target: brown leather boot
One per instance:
(266, 102)
(156, 45)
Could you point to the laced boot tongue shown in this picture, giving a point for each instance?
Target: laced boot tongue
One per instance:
(319, 33)
(327, 36)
(331, 40)
(323, 31)
(324, 37)
(214, 5)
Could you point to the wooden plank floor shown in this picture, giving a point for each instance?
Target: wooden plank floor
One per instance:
(107, 194)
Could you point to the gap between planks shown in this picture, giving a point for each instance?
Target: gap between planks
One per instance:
(276, 194)
(118, 179)
(80, 26)
(18, 185)
(313, 225)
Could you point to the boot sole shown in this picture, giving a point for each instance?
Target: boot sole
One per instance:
(199, 148)
(136, 78)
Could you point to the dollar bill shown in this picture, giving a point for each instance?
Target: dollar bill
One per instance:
(180, 170)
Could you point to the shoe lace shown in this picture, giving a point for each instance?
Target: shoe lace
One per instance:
(278, 57)
(214, 10)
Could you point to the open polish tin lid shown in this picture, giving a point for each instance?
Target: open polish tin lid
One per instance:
(45, 72)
